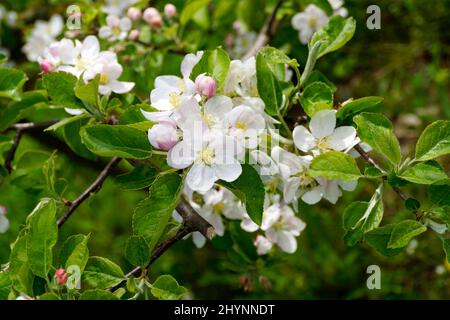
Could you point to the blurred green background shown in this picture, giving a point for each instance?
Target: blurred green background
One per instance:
(407, 62)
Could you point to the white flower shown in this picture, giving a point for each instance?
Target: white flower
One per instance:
(42, 35)
(163, 135)
(109, 71)
(4, 222)
(212, 156)
(282, 226)
(117, 7)
(212, 115)
(324, 135)
(308, 22)
(245, 125)
(338, 7)
(189, 62)
(263, 245)
(116, 28)
(241, 78)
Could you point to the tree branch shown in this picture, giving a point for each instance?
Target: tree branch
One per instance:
(94, 187)
(20, 129)
(266, 32)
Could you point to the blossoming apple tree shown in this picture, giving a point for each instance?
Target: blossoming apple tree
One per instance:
(214, 145)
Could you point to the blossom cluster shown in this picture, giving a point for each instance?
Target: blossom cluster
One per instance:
(207, 130)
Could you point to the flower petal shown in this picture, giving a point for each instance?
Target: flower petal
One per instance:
(303, 139)
(323, 123)
(343, 138)
(200, 177)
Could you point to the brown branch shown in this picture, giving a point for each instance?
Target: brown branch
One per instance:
(20, 129)
(266, 32)
(94, 187)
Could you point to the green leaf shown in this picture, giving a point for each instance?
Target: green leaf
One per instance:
(19, 268)
(310, 63)
(275, 56)
(214, 63)
(97, 295)
(268, 86)
(49, 296)
(403, 232)
(88, 92)
(74, 251)
(316, 96)
(16, 110)
(66, 121)
(424, 173)
(5, 285)
(335, 165)
(137, 251)
(60, 87)
(153, 213)
(116, 141)
(379, 239)
(371, 172)
(438, 193)
(71, 133)
(317, 76)
(334, 35)
(376, 130)
(140, 177)
(167, 288)
(361, 217)
(446, 246)
(11, 83)
(434, 141)
(102, 273)
(191, 9)
(249, 188)
(42, 237)
(354, 107)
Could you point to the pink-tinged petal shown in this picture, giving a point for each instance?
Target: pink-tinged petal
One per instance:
(343, 138)
(125, 24)
(104, 32)
(248, 225)
(323, 123)
(200, 177)
(303, 139)
(4, 224)
(156, 116)
(180, 156)
(218, 106)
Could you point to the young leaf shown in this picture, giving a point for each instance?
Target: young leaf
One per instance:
(214, 63)
(379, 239)
(167, 288)
(42, 237)
(268, 86)
(439, 192)
(11, 83)
(102, 273)
(316, 96)
(5, 285)
(335, 165)
(153, 213)
(60, 87)
(434, 141)
(276, 56)
(140, 177)
(88, 92)
(376, 130)
(249, 188)
(361, 217)
(354, 107)
(334, 35)
(74, 252)
(424, 173)
(116, 141)
(137, 251)
(403, 232)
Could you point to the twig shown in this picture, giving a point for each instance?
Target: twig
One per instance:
(267, 31)
(20, 129)
(94, 187)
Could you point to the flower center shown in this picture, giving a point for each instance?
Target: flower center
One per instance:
(241, 125)
(209, 119)
(104, 78)
(174, 99)
(81, 64)
(116, 31)
(305, 178)
(207, 156)
(218, 207)
(312, 21)
(323, 144)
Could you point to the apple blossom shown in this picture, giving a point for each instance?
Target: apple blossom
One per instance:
(241, 78)
(152, 17)
(134, 35)
(245, 125)
(109, 71)
(338, 7)
(117, 7)
(309, 21)
(60, 276)
(263, 245)
(324, 135)
(188, 63)
(134, 13)
(163, 135)
(205, 85)
(170, 10)
(116, 28)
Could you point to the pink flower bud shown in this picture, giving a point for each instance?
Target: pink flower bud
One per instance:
(205, 85)
(113, 21)
(170, 10)
(60, 276)
(46, 66)
(134, 13)
(150, 13)
(163, 135)
(3, 210)
(155, 21)
(134, 35)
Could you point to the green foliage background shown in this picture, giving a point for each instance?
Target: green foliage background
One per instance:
(407, 62)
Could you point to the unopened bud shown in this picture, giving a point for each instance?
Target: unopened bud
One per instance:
(151, 16)
(46, 66)
(170, 10)
(163, 135)
(134, 13)
(134, 35)
(205, 85)
(60, 276)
